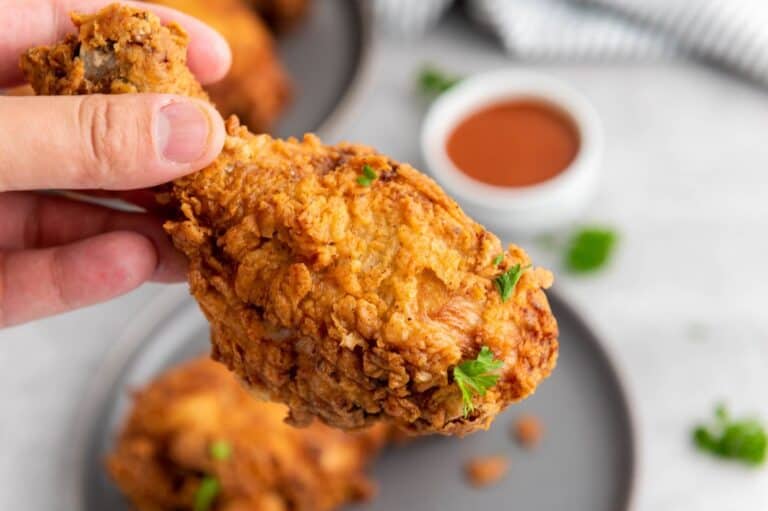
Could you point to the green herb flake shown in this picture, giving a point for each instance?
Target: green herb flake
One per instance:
(220, 450)
(475, 377)
(368, 177)
(589, 249)
(740, 440)
(498, 259)
(433, 81)
(507, 281)
(206, 493)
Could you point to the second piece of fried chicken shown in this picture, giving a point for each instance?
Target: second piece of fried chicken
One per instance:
(257, 88)
(196, 424)
(350, 287)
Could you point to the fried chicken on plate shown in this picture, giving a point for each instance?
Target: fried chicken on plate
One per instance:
(196, 428)
(343, 283)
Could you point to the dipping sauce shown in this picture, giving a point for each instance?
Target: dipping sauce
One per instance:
(514, 143)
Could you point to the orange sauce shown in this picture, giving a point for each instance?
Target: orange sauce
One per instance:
(514, 143)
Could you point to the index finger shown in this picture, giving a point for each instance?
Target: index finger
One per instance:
(29, 23)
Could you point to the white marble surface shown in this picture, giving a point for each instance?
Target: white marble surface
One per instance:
(682, 305)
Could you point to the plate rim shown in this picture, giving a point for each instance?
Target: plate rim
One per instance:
(174, 297)
(361, 75)
(617, 372)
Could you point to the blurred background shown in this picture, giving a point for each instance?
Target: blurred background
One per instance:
(679, 88)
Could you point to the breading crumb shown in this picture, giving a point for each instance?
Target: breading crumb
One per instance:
(485, 471)
(528, 431)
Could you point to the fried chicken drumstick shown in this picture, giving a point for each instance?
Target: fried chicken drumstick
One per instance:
(336, 280)
(196, 424)
(282, 15)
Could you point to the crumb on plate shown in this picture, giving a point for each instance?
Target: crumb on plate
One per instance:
(486, 470)
(528, 431)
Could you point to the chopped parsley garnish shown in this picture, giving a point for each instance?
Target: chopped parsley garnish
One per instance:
(206, 493)
(507, 281)
(498, 259)
(475, 377)
(589, 249)
(221, 450)
(434, 82)
(742, 440)
(368, 177)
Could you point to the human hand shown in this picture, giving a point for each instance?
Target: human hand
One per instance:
(57, 254)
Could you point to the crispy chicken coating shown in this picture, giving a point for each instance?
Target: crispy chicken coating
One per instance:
(354, 300)
(354, 303)
(116, 51)
(197, 421)
(257, 88)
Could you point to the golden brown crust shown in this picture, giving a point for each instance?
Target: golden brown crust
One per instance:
(164, 449)
(257, 88)
(118, 50)
(351, 303)
(354, 303)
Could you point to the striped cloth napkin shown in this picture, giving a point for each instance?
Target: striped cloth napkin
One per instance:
(730, 33)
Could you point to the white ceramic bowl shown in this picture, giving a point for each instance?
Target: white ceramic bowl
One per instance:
(524, 210)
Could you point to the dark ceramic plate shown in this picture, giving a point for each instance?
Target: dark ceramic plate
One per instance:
(326, 58)
(586, 461)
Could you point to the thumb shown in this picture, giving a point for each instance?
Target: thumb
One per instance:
(116, 142)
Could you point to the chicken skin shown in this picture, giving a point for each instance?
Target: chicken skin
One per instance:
(196, 424)
(257, 88)
(348, 286)
(116, 51)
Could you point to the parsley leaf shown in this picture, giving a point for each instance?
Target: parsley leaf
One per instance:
(742, 440)
(475, 377)
(498, 259)
(434, 82)
(589, 249)
(206, 493)
(368, 176)
(507, 281)
(220, 450)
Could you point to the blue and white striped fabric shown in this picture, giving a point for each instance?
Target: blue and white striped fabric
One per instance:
(730, 33)
(560, 30)
(409, 18)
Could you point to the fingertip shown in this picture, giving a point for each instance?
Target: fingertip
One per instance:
(171, 267)
(210, 57)
(121, 262)
(217, 133)
(189, 135)
(50, 281)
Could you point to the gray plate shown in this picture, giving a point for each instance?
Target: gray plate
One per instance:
(585, 463)
(326, 58)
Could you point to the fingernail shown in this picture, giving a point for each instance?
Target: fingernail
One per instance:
(183, 131)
